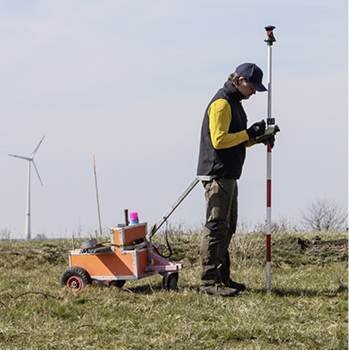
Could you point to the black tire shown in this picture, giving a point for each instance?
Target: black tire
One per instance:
(75, 278)
(89, 244)
(117, 283)
(170, 282)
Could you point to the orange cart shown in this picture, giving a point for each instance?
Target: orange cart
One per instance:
(130, 255)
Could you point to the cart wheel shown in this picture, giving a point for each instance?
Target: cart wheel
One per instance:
(75, 278)
(169, 281)
(117, 283)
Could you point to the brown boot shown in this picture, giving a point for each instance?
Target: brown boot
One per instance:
(218, 290)
(234, 285)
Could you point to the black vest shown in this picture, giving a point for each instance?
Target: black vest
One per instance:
(223, 163)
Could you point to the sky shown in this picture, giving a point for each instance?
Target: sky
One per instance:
(129, 81)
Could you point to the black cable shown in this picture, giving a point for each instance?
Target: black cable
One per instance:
(168, 246)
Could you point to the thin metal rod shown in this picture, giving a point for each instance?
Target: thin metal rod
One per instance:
(268, 237)
(270, 40)
(270, 59)
(27, 218)
(97, 197)
(168, 213)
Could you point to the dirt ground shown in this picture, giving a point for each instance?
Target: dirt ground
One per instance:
(313, 251)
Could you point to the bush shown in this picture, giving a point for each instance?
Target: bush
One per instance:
(324, 215)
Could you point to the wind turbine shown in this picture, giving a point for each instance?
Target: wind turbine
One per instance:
(30, 160)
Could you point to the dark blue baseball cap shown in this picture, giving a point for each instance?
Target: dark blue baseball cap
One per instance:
(253, 74)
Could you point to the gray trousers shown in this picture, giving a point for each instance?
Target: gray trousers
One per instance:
(221, 218)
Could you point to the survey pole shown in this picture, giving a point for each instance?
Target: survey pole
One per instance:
(270, 122)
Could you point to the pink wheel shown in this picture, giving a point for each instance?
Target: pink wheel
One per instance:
(74, 283)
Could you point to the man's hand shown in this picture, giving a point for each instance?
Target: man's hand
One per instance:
(256, 129)
(269, 140)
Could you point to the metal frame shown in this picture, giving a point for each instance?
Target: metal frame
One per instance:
(156, 263)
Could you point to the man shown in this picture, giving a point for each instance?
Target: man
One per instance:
(224, 138)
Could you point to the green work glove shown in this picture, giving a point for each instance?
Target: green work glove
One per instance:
(256, 129)
(269, 136)
(269, 140)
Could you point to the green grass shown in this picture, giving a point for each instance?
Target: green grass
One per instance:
(306, 309)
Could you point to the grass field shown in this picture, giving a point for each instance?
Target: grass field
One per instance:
(306, 309)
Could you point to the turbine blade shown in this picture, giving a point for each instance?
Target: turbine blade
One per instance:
(37, 172)
(23, 157)
(36, 149)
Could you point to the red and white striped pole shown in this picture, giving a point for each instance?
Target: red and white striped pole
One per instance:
(270, 122)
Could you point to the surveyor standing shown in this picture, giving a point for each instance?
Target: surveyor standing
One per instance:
(224, 138)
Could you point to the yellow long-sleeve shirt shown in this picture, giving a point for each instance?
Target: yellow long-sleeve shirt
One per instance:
(220, 118)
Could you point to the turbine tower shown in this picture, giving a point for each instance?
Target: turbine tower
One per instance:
(30, 160)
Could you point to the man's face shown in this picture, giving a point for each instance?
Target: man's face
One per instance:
(245, 88)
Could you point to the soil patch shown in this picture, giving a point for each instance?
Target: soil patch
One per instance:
(312, 251)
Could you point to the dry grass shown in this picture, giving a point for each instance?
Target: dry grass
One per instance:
(306, 309)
